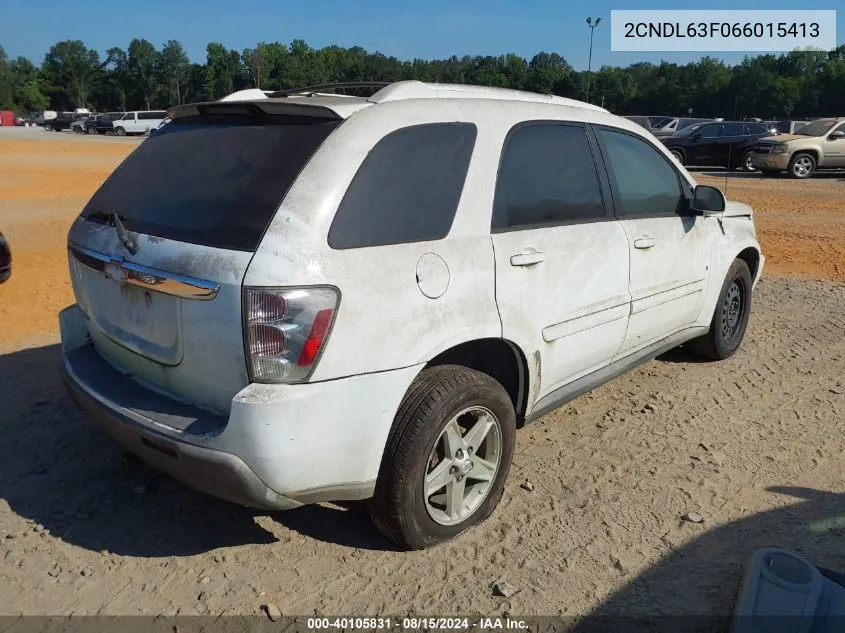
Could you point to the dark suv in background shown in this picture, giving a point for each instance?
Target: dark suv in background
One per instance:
(64, 120)
(102, 123)
(723, 144)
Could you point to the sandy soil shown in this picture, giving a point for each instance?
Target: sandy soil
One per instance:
(752, 445)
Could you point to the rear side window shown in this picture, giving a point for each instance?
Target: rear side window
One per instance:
(547, 176)
(708, 131)
(407, 189)
(645, 183)
(732, 129)
(211, 181)
(151, 115)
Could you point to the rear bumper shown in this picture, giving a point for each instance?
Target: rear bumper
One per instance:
(215, 472)
(280, 447)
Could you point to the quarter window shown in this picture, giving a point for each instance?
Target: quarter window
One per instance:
(547, 175)
(407, 189)
(645, 182)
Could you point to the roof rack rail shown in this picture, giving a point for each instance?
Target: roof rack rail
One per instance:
(412, 89)
(331, 86)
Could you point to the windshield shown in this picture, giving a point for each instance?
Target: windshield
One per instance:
(816, 128)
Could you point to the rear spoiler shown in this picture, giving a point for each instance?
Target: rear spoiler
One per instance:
(254, 108)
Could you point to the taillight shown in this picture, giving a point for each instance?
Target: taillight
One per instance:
(285, 331)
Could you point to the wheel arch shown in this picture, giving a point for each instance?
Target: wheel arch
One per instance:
(750, 256)
(812, 151)
(500, 359)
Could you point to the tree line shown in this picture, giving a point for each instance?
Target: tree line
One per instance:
(71, 75)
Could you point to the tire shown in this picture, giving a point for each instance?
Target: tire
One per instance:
(48, 127)
(748, 162)
(120, 131)
(679, 155)
(93, 130)
(727, 331)
(801, 166)
(417, 450)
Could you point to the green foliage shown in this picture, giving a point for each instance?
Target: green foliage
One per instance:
(795, 84)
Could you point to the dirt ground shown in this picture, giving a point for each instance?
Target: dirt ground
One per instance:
(753, 445)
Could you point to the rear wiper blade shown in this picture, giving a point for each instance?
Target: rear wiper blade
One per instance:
(115, 220)
(123, 235)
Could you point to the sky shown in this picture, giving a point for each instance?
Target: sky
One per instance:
(405, 29)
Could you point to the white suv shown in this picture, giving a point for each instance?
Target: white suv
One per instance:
(325, 297)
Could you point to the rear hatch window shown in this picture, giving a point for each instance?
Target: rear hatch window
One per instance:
(212, 180)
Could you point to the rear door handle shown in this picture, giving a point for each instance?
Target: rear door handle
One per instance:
(527, 258)
(644, 242)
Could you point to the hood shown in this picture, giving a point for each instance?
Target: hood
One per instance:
(780, 138)
(735, 209)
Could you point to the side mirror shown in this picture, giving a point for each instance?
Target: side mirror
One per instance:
(708, 200)
(838, 134)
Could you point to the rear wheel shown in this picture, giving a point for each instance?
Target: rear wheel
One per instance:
(447, 458)
(48, 127)
(802, 166)
(678, 155)
(730, 319)
(93, 130)
(120, 131)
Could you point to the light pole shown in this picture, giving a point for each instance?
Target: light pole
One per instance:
(592, 26)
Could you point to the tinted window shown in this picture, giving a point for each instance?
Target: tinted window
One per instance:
(645, 183)
(756, 128)
(150, 115)
(709, 131)
(216, 182)
(407, 189)
(547, 175)
(129, 116)
(732, 129)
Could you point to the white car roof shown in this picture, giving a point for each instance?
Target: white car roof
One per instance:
(344, 106)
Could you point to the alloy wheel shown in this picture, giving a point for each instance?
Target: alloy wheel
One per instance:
(462, 465)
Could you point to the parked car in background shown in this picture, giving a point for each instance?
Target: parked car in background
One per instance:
(5, 259)
(138, 122)
(164, 122)
(669, 127)
(818, 145)
(726, 144)
(536, 246)
(78, 126)
(7, 118)
(642, 121)
(63, 120)
(789, 127)
(101, 123)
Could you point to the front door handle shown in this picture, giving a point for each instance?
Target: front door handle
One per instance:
(528, 258)
(644, 242)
